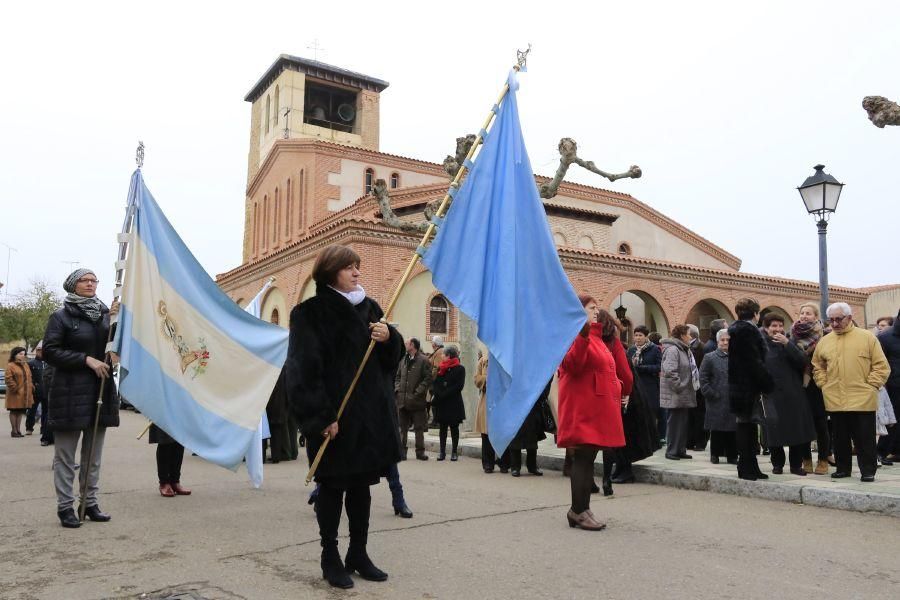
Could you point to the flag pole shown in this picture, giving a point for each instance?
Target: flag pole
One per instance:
(120, 273)
(521, 58)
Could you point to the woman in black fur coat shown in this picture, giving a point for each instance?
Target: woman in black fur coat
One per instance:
(329, 334)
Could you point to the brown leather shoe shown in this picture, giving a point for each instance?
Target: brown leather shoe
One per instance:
(821, 467)
(807, 465)
(584, 521)
(180, 490)
(166, 490)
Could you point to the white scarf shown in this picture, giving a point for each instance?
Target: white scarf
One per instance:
(354, 296)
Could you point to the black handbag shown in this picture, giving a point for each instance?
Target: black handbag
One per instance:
(547, 419)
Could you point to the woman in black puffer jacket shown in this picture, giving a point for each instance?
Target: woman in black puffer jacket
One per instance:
(75, 345)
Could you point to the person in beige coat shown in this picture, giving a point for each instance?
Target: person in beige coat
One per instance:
(19, 390)
(850, 367)
(435, 358)
(488, 456)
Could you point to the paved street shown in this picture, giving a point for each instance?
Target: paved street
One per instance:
(473, 535)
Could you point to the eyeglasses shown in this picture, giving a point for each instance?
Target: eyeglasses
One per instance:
(837, 319)
(94, 281)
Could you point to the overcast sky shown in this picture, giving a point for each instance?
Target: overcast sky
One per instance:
(726, 110)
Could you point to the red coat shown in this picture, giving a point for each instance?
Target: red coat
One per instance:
(623, 369)
(590, 395)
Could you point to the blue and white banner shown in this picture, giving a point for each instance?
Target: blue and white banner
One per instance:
(193, 361)
(254, 458)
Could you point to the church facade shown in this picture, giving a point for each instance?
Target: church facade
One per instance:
(314, 156)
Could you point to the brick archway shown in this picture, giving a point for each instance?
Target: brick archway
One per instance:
(649, 294)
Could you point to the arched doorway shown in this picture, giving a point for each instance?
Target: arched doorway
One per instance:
(705, 312)
(788, 321)
(636, 307)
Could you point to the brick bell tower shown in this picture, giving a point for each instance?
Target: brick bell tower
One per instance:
(299, 98)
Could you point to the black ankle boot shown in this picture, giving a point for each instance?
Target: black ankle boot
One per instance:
(95, 514)
(357, 560)
(68, 518)
(333, 570)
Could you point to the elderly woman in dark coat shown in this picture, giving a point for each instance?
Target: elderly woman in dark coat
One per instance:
(788, 417)
(719, 419)
(646, 358)
(75, 345)
(530, 433)
(329, 335)
(447, 402)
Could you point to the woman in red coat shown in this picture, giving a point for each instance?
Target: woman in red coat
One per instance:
(609, 333)
(590, 418)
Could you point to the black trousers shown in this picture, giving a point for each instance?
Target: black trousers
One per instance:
(823, 439)
(515, 459)
(454, 437)
(31, 417)
(723, 443)
(696, 435)
(168, 462)
(582, 478)
(796, 454)
(859, 427)
(888, 444)
(357, 501)
(746, 438)
(489, 457)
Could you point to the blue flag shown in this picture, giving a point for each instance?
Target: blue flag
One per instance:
(495, 259)
(190, 358)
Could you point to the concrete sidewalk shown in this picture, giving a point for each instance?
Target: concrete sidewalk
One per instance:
(882, 496)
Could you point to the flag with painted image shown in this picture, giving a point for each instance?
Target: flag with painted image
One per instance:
(494, 258)
(192, 360)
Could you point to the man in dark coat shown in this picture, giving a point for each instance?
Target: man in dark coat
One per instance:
(747, 380)
(75, 344)
(715, 326)
(38, 366)
(411, 385)
(646, 357)
(787, 414)
(697, 435)
(890, 343)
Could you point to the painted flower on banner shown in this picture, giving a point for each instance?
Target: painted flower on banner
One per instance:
(196, 359)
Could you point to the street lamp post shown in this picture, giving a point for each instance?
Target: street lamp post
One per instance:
(820, 194)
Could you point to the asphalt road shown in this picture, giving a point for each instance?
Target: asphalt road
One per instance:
(473, 536)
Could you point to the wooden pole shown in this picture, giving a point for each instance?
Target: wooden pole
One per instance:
(404, 279)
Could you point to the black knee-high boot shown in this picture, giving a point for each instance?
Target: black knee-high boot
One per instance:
(442, 435)
(328, 515)
(358, 502)
(531, 461)
(608, 458)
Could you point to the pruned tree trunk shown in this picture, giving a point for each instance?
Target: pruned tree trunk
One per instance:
(881, 110)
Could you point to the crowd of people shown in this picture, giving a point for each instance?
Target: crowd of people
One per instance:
(757, 386)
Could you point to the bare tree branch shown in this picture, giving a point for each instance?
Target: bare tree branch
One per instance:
(881, 111)
(380, 191)
(568, 151)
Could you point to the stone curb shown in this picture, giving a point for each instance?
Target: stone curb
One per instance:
(840, 499)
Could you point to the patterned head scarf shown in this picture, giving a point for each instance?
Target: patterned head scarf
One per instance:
(71, 280)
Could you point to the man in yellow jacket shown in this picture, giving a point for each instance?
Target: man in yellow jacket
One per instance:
(849, 366)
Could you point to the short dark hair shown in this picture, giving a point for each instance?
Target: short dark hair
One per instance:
(772, 318)
(655, 337)
(716, 325)
(416, 343)
(451, 352)
(642, 329)
(890, 320)
(746, 308)
(330, 261)
(14, 351)
(679, 330)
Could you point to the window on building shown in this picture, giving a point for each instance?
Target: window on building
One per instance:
(369, 180)
(288, 210)
(586, 243)
(624, 249)
(275, 216)
(265, 222)
(559, 239)
(276, 318)
(255, 225)
(277, 105)
(268, 112)
(395, 180)
(330, 107)
(439, 315)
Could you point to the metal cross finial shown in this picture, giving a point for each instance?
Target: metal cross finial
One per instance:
(287, 128)
(522, 57)
(139, 157)
(315, 48)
